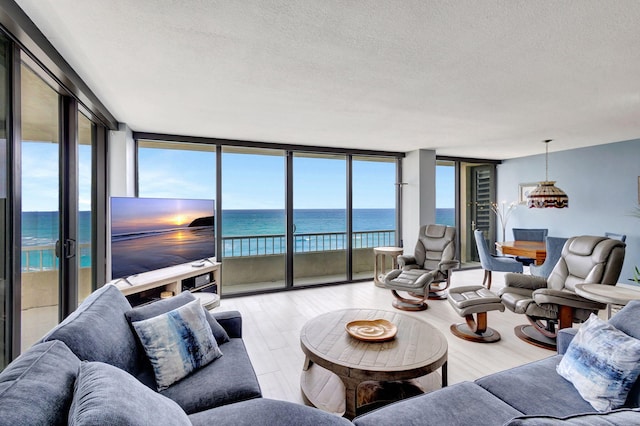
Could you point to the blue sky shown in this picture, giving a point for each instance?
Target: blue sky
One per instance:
(258, 181)
(249, 181)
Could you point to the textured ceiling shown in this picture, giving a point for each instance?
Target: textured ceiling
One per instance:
(475, 78)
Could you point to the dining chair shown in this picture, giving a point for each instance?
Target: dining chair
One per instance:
(554, 251)
(621, 237)
(490, 262)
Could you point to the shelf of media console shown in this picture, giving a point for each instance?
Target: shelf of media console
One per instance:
(148, 286)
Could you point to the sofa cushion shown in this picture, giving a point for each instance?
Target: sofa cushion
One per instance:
(553, 395)
(105, 395)
(264, 411)
(177, 342)
(616, 417)
(37, 387)
(165, 305)
(626, 320)
(98, 330)
(461, 404)
(230, 378)
(603, 363)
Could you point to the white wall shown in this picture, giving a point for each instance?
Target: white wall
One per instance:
(602, 185)
(418, 195)
(122, 162)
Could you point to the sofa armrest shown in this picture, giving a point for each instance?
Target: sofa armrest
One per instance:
(564, 338)
(231, 321)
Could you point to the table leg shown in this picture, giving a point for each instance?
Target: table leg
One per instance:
(350, 396)
(445, 379)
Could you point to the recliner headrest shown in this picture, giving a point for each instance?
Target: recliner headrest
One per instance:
(584, 245)
(435, 231)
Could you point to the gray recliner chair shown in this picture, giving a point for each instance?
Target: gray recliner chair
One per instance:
(426, 274)
(552, 303)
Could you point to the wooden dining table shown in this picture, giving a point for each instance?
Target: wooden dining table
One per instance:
(531, 249)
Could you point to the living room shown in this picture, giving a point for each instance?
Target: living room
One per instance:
(410, 85)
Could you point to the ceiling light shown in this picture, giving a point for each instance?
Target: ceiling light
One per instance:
(546, 194)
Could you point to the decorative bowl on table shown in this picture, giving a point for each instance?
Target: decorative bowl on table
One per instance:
(377, 330)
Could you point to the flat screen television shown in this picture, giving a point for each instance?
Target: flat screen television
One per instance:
(154, 233)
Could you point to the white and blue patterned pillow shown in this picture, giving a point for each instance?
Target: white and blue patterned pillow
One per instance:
(177, 342)
(602, 363)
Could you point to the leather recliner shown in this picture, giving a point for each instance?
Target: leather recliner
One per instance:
(552, 303)
(431, 264)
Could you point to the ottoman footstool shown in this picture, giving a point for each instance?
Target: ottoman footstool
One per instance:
(474, 299)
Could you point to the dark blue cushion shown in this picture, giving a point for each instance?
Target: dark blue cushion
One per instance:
(264, 411)
(165, 305)
(98, 330)
(228, 379)
(105, 395)
(37, 387)
(536, 389)
(462, 404)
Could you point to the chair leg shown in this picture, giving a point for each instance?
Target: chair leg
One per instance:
(487, 279)
(565, 317)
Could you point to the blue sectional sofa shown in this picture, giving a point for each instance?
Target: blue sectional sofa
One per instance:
(90, 369)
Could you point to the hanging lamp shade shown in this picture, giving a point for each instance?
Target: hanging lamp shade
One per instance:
(546, 194)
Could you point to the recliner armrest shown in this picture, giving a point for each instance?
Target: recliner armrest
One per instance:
(567, 298)
(405, 259)
(524, 281)
(447, 265)
(564, 338)
(231, 321)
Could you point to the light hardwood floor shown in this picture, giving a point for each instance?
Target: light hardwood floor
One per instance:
(272, 324)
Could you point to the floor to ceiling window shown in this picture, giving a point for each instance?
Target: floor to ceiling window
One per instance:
(319, 217)
(253, 219)
(284, 212)
(374, 210)
(86, 132)
(40, 203)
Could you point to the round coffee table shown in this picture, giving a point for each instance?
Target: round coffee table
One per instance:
(609, 294)
(336, 363)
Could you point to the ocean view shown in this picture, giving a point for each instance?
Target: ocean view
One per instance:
(40, 230)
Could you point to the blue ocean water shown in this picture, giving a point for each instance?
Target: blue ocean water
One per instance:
(40, 229)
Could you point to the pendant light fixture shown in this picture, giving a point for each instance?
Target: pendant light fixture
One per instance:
(546, 194)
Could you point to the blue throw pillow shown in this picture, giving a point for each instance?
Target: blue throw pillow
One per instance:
(177, 343)
(602, 363)
(106, 395)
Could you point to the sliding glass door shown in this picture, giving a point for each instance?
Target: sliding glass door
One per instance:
(319, 218)
(253, 219)
(40, 207)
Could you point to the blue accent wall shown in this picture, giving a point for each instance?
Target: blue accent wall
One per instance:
(602, 185)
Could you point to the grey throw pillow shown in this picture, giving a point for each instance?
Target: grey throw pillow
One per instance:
(106, 395)
(165, 305)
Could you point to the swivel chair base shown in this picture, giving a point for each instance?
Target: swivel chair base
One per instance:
(529, 334)
(463, 331)
(405, 304)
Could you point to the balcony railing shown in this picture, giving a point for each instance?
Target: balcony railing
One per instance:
(264, 245)
(43, 257)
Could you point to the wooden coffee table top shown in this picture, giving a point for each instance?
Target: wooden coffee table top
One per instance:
(417, 349)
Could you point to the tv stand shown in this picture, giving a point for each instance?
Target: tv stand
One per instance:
(147, 287)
